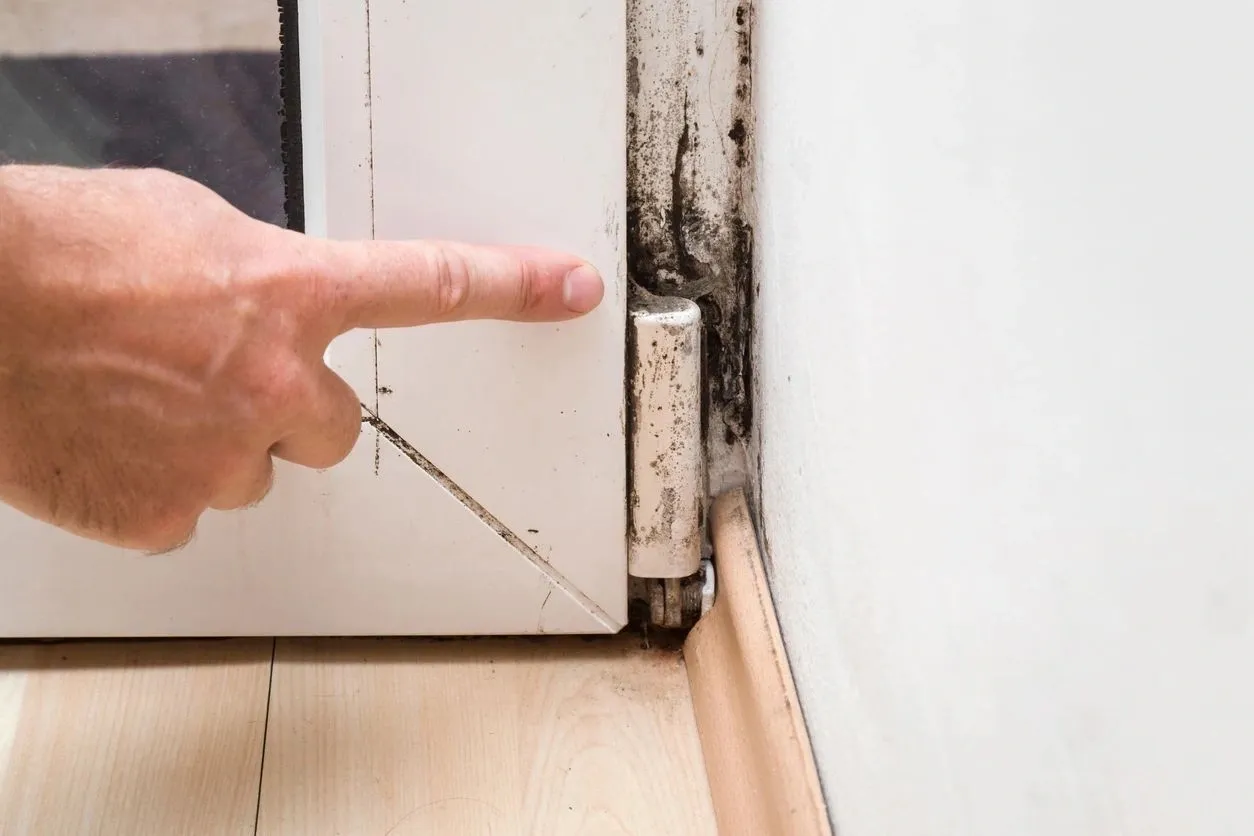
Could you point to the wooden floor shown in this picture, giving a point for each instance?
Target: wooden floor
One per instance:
(320, 736)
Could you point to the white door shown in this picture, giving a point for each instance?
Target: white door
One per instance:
(487, 493)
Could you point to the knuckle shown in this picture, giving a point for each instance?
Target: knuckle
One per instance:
(164, 530)
(265, 483)
(350, 430)
(242, 480)
(173, 538)
(344, 429)
(452, 282)
(262, 479)
(344, 442)
(529, 296)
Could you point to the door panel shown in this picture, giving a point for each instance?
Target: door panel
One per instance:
(519, 138)
(487, 492)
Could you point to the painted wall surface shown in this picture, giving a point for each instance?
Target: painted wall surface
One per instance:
(1006, 334)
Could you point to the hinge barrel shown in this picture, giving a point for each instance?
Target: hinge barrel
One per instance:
(667, 453)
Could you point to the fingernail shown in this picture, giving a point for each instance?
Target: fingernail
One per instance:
(582, 290)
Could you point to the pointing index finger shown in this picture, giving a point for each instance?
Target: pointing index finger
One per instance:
(389, 284)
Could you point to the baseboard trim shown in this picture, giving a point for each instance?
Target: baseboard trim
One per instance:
(761, 770)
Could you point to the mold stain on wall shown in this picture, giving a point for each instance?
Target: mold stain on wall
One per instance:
(689, 181)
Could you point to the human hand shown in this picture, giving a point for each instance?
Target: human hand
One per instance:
(158, 347)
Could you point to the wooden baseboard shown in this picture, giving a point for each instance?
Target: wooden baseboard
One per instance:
(757, 752)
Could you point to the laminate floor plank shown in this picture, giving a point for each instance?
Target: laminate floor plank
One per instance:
(132, 738)
(552, 737)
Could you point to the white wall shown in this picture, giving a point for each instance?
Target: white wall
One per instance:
(1007, 407)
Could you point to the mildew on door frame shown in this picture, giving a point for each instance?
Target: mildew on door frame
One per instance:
(689, 182)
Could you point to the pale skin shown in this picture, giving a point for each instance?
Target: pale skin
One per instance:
(159, 349)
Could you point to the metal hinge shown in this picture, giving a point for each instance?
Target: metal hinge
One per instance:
(668, 475)
(676, 603)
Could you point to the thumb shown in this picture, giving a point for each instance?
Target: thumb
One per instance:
(388, 284)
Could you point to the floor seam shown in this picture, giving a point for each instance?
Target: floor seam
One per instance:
(265, 733)
(555, 577)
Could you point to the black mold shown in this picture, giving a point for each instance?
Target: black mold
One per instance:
(680, 243)
(290, 129)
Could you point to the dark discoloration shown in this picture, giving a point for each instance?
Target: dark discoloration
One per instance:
(681, 173)
(640, 622)
(633, 76)
(739, 135)
(688, 236)
(291, 144)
